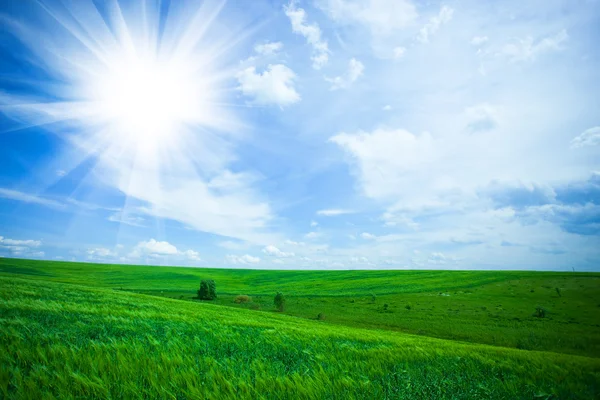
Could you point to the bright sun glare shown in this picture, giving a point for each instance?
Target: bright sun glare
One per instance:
(148, 100)
(138, 88)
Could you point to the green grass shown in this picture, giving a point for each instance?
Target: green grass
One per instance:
(487, 307)
(69, 341)
(90, 330)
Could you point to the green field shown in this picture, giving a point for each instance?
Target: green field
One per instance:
(93, 331)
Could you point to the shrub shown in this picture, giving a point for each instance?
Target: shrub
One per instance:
(321, 316)
(408, 307)
(208, 290)
(279, 302)
(242, 299)
(385, 307)
(373, 298)
(255, 306)
(540, 312)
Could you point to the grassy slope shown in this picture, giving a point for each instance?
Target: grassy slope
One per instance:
(266, 282)
(492, 307)
(66, 341)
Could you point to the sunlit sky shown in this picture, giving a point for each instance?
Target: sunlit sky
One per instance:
(314, 134)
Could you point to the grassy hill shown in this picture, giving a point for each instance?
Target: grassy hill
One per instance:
(70, 341)
(487, 307)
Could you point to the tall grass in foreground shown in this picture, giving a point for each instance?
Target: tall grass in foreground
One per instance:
(67, 341)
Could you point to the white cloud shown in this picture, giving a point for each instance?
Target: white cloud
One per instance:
(334, 212)
(368, 236)
(192, 255)
(399, 52)
(274, 86)
(380, 17)
(590, 137)
(479, 40)
(293, 243)
(355, 70)
(527, 49)
(434, 24)
(25, 248)
(245, 259)
(313, 235)
(29, 198)
(157, 250)
(16, 242)
(312, 33)
(441, 259)
(273, 251)
(229, 204)
(153, 248)
(386, 158)
(481, 117)
(314, 223)
(387, 107)
(269, 48)
(127, 219)
(100, 253)
(399, 219)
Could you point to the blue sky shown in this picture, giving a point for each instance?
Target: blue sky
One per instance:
(325, 134)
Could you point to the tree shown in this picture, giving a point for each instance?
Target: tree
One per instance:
(279, 302)
(208, 290)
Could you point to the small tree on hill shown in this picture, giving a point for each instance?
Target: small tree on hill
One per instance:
(208, 290)
(279, 302)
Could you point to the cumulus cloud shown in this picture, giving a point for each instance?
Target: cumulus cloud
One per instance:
(312, 33)
(368, 236)
(15, 242)
(528, 49)
(435, 23)
(481, 117)
(355, 70)
(479, 40)
(293, 243)
(589, 137)
(574, 207)
(274, 86)
(268, 48)
(100, 253)
(245, 259)
(154, 248)
(380, 17)
(399, 52)
(191, 255)
(275, 252)
(518, 194)
(332, 212)
(313, 235)
(21, 248)
(385, 158)
(438, 258)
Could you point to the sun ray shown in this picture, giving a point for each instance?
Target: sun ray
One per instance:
(147, 88)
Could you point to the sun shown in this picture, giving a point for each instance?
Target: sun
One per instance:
(147, 99)
(142, 88)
